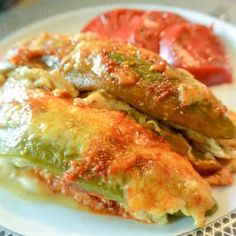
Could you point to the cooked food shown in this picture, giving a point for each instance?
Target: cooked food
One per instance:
(171, 35)
(174, 93)
(137, 76)
(142, 79)
(113, 126)
(204, 151)
(102, 158)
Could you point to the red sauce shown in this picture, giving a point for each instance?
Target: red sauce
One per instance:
(85, 199)
(183, 44)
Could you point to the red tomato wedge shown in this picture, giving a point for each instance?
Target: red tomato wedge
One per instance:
(141, 28)
(196, 49)
(118, 24)
(183, 44)
(147, 34)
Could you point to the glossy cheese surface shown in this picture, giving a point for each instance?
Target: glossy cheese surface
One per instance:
(101, 152)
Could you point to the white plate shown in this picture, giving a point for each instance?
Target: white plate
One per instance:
(31, 218)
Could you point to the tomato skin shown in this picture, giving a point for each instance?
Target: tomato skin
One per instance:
(117, 24)
(152, 24)
(211, 75)
(142, 28)
(196, 49)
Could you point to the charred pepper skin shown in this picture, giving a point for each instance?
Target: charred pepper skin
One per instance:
(142, 79)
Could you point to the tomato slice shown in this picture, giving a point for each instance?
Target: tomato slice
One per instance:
(152, 24)
(117, 24)
(196, 49)
(141, 28)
